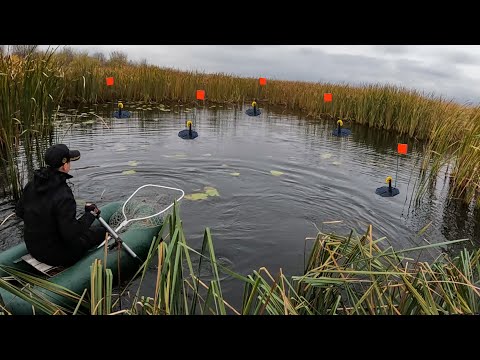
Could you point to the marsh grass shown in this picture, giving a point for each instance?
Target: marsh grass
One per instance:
(31, 88)
(344, 275)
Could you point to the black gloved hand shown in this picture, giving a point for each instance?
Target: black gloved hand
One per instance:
(92, 207)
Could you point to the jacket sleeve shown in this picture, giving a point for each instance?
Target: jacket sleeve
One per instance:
(73, 231)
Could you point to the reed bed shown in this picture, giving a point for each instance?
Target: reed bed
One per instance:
(31, 88)
(344, 275)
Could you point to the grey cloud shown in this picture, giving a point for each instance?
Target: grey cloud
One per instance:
(391, 49)
(458, 57)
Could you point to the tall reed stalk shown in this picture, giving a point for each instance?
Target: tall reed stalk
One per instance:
(346, 275)
(31, 88)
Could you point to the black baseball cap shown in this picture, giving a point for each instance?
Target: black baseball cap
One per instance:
(59, 154)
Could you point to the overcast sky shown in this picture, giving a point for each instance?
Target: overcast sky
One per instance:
(451, 71)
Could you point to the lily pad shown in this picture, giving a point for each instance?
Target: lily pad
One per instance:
(128, 172)
(178, 156)
(326, 156)
(276, 173)
(196, 196)
(235, 173)
(133, 163)
(211, 191)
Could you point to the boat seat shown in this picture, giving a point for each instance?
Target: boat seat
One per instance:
(42, 267)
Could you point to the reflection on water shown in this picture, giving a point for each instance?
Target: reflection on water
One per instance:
(277, 175)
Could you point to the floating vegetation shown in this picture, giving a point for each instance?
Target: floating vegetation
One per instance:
(132, 163)
(128, 172)
(207, 191)
(196, 196)
(211, 191)
(178, 156)
(235, 173)
(276, 173)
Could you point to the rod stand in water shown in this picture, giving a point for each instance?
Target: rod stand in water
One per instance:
(396, 174)
(114, 235)
(387, 191)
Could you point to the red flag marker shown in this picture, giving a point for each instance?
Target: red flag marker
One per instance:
(327, 97)
(263, 81)
(109, 81)
(402, 149)
(200, 94)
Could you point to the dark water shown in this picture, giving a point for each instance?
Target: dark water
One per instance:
(260, 219)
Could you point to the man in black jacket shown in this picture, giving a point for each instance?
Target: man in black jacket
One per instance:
(52, 233)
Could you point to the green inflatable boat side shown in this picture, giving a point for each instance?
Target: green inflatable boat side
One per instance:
(77, 277)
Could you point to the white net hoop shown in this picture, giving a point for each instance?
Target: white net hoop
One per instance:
(146, 207)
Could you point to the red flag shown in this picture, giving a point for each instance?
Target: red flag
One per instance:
(109, 81)
(327, 97)
(200, 94)
(402, 149)
(263, 81)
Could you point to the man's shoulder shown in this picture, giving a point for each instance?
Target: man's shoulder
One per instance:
(63, 191)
